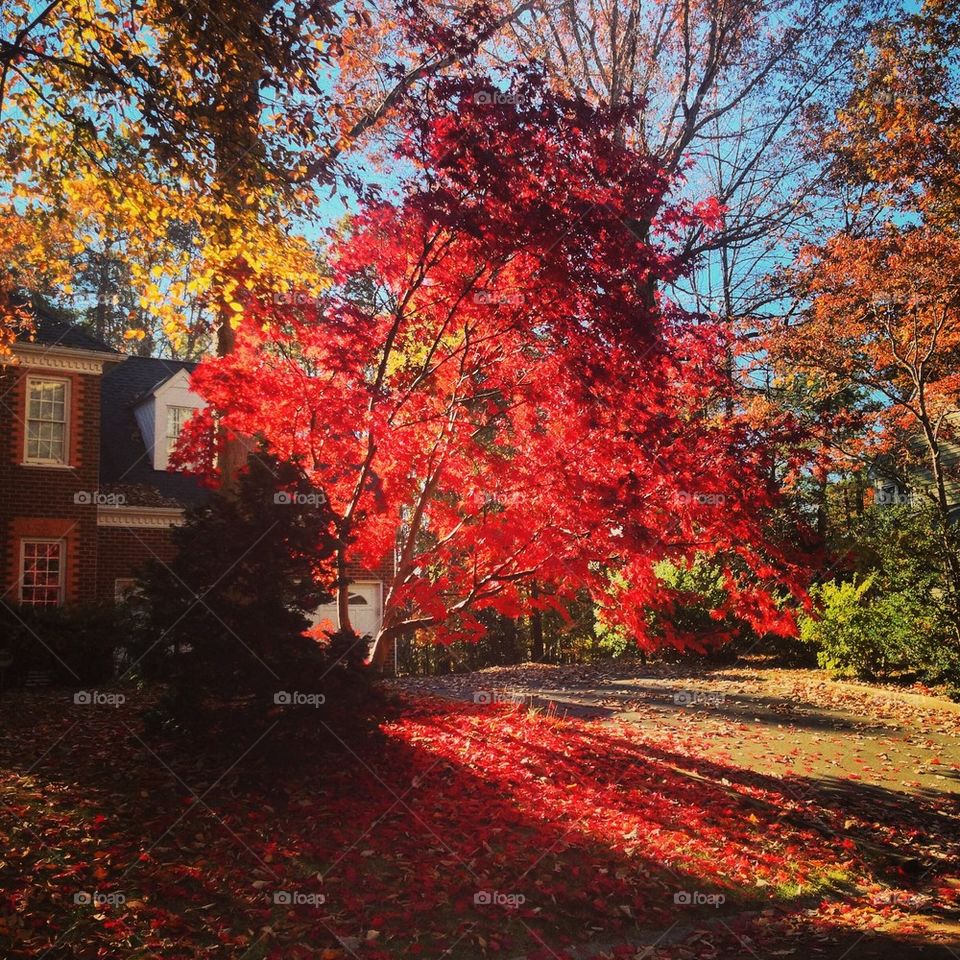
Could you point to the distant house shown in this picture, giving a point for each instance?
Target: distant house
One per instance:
(86, 496)
(894, 484)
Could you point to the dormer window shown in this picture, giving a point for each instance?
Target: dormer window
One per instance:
(161, 414)
(176, 418)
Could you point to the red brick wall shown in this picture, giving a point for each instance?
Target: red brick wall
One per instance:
(38, 501)
(383, 571)
(123, 551)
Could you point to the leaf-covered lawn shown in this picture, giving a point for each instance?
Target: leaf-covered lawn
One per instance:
(464, 831)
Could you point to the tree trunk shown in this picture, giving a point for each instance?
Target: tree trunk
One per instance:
(238, 179)
(822, 510)
(536, 626)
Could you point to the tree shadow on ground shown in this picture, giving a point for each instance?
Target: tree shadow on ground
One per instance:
(770, 711)
(461, 830)
(901, 838)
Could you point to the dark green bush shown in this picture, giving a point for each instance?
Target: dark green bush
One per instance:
(225, 621)
(71, 645)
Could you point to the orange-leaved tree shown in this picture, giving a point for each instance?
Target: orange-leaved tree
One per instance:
(883, 294)
(125, 129)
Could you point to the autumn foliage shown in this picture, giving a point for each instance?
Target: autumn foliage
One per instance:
(193, 146)
(881, 325)
(493, 387)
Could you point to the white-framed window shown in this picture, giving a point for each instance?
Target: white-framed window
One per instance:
(47, 420)
(123, 589)
(176, 418)
(42, 565)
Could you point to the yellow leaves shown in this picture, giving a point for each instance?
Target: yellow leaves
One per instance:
(150, 296)
(219, 252)
(79, 189)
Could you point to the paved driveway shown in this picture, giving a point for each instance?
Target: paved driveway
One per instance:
(774, 721)
(886, 759)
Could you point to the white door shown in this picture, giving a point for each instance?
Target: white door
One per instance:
(366, 609)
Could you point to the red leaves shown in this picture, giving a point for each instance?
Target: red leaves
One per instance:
(495, 376)
(597, 826)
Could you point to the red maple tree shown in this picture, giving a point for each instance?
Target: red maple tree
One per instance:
(494, 388)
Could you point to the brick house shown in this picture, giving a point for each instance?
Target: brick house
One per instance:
(83, 498)
(85, 494)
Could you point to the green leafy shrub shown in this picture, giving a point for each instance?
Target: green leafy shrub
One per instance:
(887, 614)
(696, 591)
(853, 636)
(861, 630)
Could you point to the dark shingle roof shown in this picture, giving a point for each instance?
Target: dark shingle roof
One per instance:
(124, 460)
(54, 329)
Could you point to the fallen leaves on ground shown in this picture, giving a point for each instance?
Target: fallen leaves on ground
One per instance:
(466, 830)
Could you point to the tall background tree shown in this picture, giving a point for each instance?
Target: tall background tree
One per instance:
(727, 90)
(127, 129)
(879, 322)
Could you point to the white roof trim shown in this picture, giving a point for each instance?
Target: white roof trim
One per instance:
(158, 518)
(162, 385)
(38, 356)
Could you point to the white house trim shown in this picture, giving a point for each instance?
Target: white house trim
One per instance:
(157, 518)
(151, 414)
(37, 356)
